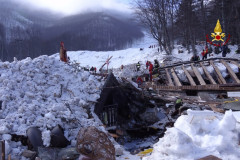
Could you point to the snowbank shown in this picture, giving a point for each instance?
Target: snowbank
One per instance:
(199, 134)
(44, 92)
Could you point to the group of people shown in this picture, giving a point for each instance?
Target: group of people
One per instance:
(152, 68)
(224, 49)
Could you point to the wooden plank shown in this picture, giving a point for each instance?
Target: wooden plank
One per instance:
(188, 76)
(230, 71)
(197, 73)
(207, 74)
(175, 78)
(233, 94)
(212, 87)
(235, 63)
(170, 82)
(222, 80)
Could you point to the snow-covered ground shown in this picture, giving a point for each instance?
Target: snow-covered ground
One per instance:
(30, 91)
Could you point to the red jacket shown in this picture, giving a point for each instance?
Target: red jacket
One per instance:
(150, 67)
(147, 64)
(203, 53)
(139, 80)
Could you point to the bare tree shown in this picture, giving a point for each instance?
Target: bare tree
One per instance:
(157, 15)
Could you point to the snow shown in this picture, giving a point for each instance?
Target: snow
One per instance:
(199, 134)
(31, 94)
(45, 92)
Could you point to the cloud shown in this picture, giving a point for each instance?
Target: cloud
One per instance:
(78, 6)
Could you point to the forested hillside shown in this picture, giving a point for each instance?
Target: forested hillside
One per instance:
(25, 32)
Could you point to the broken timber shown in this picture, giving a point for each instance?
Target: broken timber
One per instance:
(170, 82)
(188, 76)
(199, 77)
(232, 74)
(177, 85)
(207, 74)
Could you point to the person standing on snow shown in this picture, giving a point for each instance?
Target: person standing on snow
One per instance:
(138, 66)
(224, 50)
(139, 81)
(150, 70)
(204, 55)
(147, 64)
(63, 53)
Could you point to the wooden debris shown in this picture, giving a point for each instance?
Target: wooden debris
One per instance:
(175, 77)
(170, 82)
(207, 74)
(230, 71)
(189, 76)
(215, 109)
(199, 77)
(221, 79)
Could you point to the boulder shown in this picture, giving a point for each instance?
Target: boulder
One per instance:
(57, 138)
(211, 157)
(95, 144)
(29, 154)
(35, 138)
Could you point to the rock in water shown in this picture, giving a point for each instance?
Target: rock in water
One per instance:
(95, 144)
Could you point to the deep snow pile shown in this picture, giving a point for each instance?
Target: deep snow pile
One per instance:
(199, 134)
(31, 94)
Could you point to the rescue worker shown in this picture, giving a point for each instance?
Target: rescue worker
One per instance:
(224, 50)
(63, 53)
(147, 64)
(150, 70)
(156, 66)
(204, 55)
(178, 103)
(92, 69)
(195, 58)
(206, 51)
(216, 50)
(139, 81)
(138, 66)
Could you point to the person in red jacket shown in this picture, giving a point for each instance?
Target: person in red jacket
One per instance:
(150, 70)
(63, 53)
(139, 81)
(147, 64)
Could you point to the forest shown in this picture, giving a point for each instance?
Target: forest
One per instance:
(187, 22)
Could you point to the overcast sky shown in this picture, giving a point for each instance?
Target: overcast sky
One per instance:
(78, 6)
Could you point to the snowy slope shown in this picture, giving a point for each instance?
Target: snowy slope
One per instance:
(133, 55)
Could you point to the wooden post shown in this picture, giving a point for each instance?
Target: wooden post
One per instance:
(3, 150)
(188, 76)
(232, 74)
(9, 157)
(197, 73)
(207, 74)
(222, 80)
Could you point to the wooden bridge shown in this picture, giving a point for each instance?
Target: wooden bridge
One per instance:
(196, 81)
